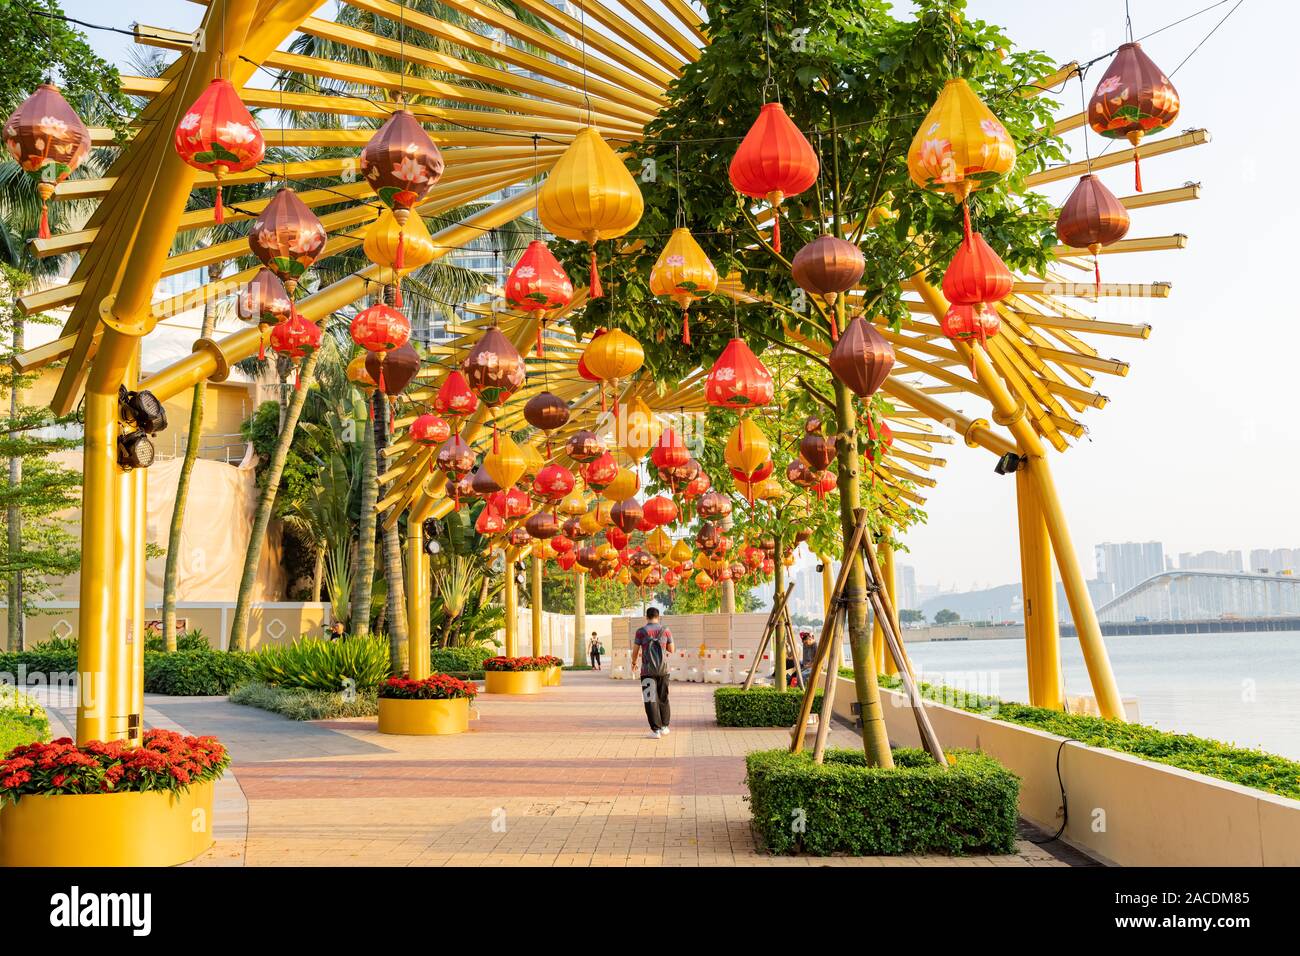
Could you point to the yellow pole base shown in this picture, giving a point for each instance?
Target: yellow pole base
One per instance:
(514, 682)
(423, 718)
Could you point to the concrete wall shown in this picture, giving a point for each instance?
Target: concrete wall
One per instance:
(1122, 809)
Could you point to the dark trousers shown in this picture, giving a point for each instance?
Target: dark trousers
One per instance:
(654, 691)
(595, 659)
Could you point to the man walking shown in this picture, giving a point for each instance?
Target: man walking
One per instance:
(653, 644)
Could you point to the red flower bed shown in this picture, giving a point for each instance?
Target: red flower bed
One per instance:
(552, 661)
(436, 687)
(165, 761)
(517, 663)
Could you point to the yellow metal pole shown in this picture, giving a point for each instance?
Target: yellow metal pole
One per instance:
(535, 611)
(139, 483)
(1047, 637)
(98, 628)
(510, 597)
(885, 551)
(417, 601)
(1027, 520)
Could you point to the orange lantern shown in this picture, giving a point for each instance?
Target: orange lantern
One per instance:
(538, 284)
(218, 135)
(380, 329)
(774, 161)
(296, 338)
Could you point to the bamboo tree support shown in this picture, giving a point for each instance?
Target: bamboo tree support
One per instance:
(769, 629)
(888, 665)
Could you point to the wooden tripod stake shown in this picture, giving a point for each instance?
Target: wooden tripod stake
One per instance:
(831, 629)
(778, 618)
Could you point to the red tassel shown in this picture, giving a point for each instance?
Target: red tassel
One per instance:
(965, 220)
(593, 280)
(397, 294)
(261, 345)
(399, 257)
(686, 327)
(835, 329)
(297, 379)
(776, 228)
(496, 447)
(44, 231)
(219, 210)
(1096, 268)
(381, 375)
(1137, 170)
(740, 438)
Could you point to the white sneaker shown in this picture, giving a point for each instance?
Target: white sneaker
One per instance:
(664, 731)
(653, 735)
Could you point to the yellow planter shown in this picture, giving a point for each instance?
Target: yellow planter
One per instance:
(514, 682)
(552, 678)
(423, 717)
(107, 829)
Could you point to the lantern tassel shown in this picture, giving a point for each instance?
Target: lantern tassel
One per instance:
(218, 209)
(397, 293)
(686, 327)
(835, 329)
(593, 279)
(261, 344)
(44, 231)
(297, 379)
(1096, 270)
(399, 257)
(381, 375)
(965, 220)
(1137, 170)
(776, 229)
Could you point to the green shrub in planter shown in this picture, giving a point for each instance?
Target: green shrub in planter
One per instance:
(446, 660)
(844, 806)
(759, 706)
(318, 664)
(205, 673)
(298, 703)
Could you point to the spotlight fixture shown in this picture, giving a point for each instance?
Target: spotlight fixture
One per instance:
(431, 528)
(142, 410)
(135, 450)
(821, 568)
(1007, 463)
(432, 547)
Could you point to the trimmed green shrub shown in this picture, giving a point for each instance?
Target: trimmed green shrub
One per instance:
(446, 660)
(317, 664)
(845, 806)
(1240, 765)
(22, 719)
(299, 703)
(39, 660)
(759, 706)
(205, 673)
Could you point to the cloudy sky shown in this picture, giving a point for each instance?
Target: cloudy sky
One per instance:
(1199, 446)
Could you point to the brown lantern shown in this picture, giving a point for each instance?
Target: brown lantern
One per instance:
(862, 358)
(287, 237)
(826, 267)
(1091, 218)
(713, 504)
(546, 411)
(584, 446)
(482, 483)
(542, 525)
(815, 448)
(48, 140)
(626, 515)
(394, 369)
(401, 163)
(709, 538)
(1134, 98)
(494, 368)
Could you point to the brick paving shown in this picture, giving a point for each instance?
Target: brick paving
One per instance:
(565, 778)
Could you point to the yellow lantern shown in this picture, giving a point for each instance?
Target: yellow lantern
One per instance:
(638, 428)
(611, 356)
(703, 581)
(658, 543)
(770, 489)
(573, 505)
(747, 449)
(625, 484)
(589, 195)
(589, 523)
(961, 146)
(401, 248)
(358, 375)
(680, 554)
(625, 576)
(505, 462)
(533, 460)
(684, 274)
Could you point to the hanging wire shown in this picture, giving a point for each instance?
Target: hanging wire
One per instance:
(1083, 107)
(401, 34)
(767, 57)
(677, 175)
(1128, 22)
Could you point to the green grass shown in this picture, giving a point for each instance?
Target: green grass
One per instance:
(1240, 765)
(22, 719)
(300, 703)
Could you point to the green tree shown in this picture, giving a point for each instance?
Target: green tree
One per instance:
(906, 616)
(947, 617)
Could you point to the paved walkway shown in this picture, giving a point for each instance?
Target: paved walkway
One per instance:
(566, 778)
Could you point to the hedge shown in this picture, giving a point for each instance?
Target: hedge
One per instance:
(1241, 765)
(448, 660)
(759, 706)
(195, 673)
(300, 703)
(917, 807)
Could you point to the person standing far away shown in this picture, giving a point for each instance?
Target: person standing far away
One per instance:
(653, 644)
(594, 649)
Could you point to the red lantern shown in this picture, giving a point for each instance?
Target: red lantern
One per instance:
(738, 379)
(511, 502)
(660, 511)
(1091, 218)
(287, 237)
(454, 399)
(296, 339)
(380, 329)
(774, 161)
(218, 135)
(697, 486)
(553, 482)
(753, 557)
(616, 537)
(1133, 98)
(48, 140)
(826, 483)
(600, 472)
(562, 544)
(429, 430)
(583, 371)
(264, 302)
(761, 473)
(644, 525)
(538, 284)
(671, 579)
(966, 322)
(669, 451)
(565, 559)
(976, 274)
(490, 522)
(884, 437)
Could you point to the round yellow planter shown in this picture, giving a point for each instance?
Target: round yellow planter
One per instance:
(107, 829)
(514, 682)
(423, 717)
(553, 675)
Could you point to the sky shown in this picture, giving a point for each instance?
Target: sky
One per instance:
(1200, 446)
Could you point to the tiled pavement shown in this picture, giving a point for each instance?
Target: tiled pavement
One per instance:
(566, 778)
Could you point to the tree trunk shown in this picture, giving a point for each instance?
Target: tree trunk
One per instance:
(209, 324)
(363, 583)
(266, 503)
(396, 603)
(778, 638)
(14, 516)
(318, 572)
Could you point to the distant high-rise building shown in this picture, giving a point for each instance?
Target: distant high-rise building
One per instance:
(1275, 559)
(1126, 564)
(908, 597)
(1210, 561)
